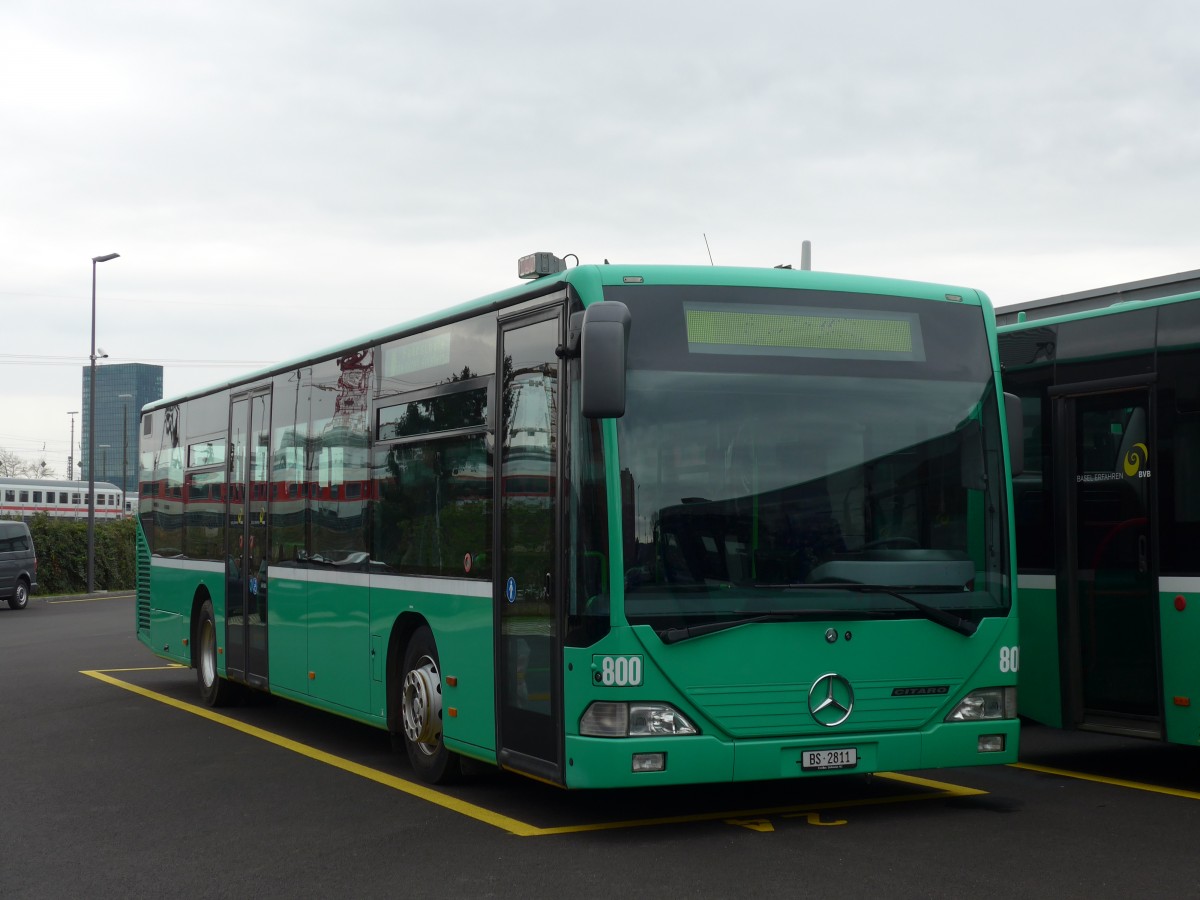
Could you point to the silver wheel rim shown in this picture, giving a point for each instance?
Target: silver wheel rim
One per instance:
(208, 653)
(422, 706)
(22, 595)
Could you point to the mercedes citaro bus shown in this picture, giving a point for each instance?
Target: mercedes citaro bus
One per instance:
(619, 525)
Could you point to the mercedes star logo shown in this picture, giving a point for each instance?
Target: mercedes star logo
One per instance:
(830, 700)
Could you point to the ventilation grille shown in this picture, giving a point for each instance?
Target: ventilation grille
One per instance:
(143, 584)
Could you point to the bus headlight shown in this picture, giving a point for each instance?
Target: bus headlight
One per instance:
(605, 718)
(986, 703)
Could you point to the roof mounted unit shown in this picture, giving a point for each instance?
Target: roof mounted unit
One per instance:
(538, 265)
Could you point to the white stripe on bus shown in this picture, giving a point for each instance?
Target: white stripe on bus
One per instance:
(1167, 584)
(459, 587)
(1036, 582)
(1179, 584)
(193, 565)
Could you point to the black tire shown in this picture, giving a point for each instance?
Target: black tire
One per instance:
(20, 597)
(419, 695)
(214, 690)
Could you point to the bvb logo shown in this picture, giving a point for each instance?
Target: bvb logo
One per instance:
(1136, 458)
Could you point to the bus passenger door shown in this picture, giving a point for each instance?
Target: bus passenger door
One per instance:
(529, 643)
(1112, 655)
(247, 515)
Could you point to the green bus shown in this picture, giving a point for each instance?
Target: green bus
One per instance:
(620, 525)
(1108, 512)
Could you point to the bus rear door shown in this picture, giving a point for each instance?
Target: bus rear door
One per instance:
(247, 517)
(1111, 650)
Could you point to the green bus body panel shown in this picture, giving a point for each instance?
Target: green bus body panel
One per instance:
(462, 626)
(751, 690)
(172, 630)
(339, 646)
(1040, 682)
(753, 681)
(330, 630)
(287, 634)
(606, 763)
(746, 689)
(1040, 678)
(1180, 638)
(172, 589)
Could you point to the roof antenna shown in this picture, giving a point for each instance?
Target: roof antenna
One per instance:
(709, 249)
(806, 256)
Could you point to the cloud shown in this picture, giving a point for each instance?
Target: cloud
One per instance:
(278, 176)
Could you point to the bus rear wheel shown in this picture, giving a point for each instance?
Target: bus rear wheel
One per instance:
(214, 690)
(421, 711)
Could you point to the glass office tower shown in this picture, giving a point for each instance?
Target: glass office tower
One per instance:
(121, 391)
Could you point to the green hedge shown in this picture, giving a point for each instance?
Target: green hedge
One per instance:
(61, 546)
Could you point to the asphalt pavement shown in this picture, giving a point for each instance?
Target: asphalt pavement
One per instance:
(116, 784)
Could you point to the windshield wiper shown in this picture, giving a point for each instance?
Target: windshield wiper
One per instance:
(932, 613)
(675, 635)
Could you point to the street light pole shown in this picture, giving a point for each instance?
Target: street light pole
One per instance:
(91, 496)
(71, 447)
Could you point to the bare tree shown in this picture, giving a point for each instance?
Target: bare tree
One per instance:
(42, 469)
(12, 465)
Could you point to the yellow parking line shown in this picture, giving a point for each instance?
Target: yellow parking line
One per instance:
(1103, 779)
(399, 784)
(938, 790)
(942, 791)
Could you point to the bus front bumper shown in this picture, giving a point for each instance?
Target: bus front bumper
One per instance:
(635, 762)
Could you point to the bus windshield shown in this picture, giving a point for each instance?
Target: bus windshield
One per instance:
(786, 454)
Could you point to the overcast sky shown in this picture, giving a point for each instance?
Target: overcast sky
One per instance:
(279, 175)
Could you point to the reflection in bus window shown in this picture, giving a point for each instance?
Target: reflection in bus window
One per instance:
(339, 465)
(434, 512)
(204, 520)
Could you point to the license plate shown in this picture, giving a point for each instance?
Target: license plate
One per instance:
(823, 760)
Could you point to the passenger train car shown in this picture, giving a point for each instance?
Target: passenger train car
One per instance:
(27, 497)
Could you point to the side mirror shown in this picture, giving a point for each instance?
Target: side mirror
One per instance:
(1016, 433)
(603, 343)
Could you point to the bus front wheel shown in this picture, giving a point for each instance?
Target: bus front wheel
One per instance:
(214, 690)
(421, 711)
